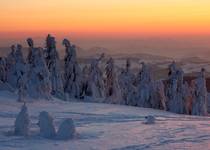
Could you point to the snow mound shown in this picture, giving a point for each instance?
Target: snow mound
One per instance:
(22, 122)
(46, 125)
(149, 120)
(66, 130)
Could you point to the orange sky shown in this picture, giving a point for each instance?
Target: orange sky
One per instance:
(106, 16)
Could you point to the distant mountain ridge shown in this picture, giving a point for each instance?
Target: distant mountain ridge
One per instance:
(96, 51)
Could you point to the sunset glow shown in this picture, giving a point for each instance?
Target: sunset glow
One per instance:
(106, 16)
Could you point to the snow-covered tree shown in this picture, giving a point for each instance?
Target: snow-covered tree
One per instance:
(175, 95)
(188, 97)
(126, 81)
(30, 50)
(86, 83)
(10, 59)
(22, 122)
(72, 71)
(150, 93)
(200, 97)
(158, 100)
(96, 79)
(7, 71)
(46, 125)
(3, 69)
(16, 65)
(53, 64)
(145, 87)
(39, 84)
(10, 65)
(110, 77)
(180, 92)
(111, 84)
(19, 54)
(21, 85)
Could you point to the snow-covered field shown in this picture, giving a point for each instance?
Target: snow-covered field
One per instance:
(104, 127)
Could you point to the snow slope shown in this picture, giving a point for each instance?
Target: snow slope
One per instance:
(104, 127)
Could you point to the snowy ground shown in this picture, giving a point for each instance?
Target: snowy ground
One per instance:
(105, 127)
